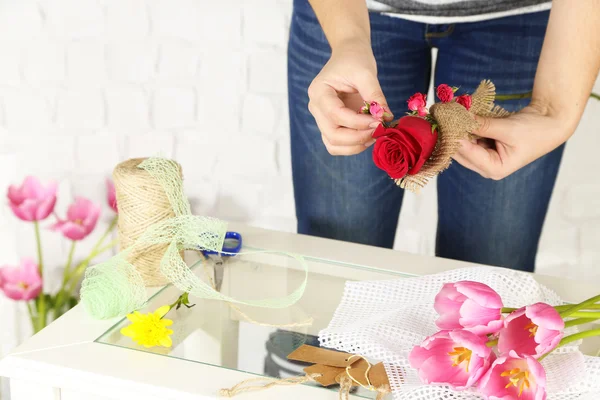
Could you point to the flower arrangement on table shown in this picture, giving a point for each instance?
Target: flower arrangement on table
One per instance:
(420, 145)
(495, 349)
(33, 202)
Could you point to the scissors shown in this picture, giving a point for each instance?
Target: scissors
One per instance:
(231, 247)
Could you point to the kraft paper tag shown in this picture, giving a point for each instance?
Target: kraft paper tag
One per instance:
(378, 376)
(327, 373)
(319, 355)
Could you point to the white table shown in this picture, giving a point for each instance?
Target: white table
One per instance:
(67, 362)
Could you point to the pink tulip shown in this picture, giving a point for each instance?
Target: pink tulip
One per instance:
(111, 196)
(21, 282)
(31, 201)
(456, 358)
(470, 305)
(533, 331)
(81, 219)
(513, 377)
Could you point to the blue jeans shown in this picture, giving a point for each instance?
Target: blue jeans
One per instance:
(348, 198)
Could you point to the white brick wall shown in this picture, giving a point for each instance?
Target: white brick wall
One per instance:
(87, 83)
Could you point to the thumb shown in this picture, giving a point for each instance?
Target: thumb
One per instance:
(494, 128)
(369, 89)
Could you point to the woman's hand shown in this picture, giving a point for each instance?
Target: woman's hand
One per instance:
(338, 92)
(509, 144)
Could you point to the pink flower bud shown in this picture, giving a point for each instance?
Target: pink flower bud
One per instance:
(465, 100)
(31, 201)
(469, 305)
(533, 331)
(455, 358)
(445, 93)
(21, 282)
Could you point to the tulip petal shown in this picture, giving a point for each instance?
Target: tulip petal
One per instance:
(473, 314)
(516, 337)
(32, 188)
(45, 208)
(545, 315)
(13, 291)
(480, 293)
(439, 369)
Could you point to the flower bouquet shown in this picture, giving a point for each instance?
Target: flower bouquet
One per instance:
(420, 145)
(475, 333)
(33, 202)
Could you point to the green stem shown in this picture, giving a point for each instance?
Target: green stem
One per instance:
(569, 311)
(492, 343)
(584, 314)
(515, 96)
(573, 338)
(69, 262)
(34, 321)
(577, 336)
(579, 321)
(41, 303)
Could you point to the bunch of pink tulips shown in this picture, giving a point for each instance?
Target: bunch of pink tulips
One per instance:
(495, 349)
(34, 202)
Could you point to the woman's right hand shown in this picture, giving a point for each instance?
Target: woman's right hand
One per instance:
(338, 92)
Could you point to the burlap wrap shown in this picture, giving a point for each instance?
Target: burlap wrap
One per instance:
(455, 123)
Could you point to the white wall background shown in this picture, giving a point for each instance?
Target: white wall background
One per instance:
(87, 83)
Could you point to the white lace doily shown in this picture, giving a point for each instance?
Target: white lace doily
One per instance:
(383, 320)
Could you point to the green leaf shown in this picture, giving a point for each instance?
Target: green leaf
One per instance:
(433, 128)
(454, 89)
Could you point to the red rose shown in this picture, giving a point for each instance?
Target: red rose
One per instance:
(465, 100)
(445, 93)
(404, 148)
(417, 102)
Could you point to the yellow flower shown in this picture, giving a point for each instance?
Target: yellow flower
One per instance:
(150, 329)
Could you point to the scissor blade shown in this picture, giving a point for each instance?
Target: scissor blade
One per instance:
(219, 271)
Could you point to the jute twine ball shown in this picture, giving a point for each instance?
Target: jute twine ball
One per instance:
(142, 202)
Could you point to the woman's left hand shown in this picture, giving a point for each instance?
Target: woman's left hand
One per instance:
(508, 144)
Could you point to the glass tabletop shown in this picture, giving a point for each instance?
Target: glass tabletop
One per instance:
(251, 339)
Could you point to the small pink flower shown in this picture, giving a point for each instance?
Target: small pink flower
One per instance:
(31, 201)
(445, 93)
(111, 196)
(21, 282)
(470, 305)
(376, 110)
(533, 331)
(81, 219)
(464, 100)
(513, 377)
(417, 102)
(456, 358)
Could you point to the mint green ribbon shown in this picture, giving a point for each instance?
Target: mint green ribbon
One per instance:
(114, 287)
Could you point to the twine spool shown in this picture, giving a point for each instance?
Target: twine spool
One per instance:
(142, 202)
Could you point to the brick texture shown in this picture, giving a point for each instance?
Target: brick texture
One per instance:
(85, 84)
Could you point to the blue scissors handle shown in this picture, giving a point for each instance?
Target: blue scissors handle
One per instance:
(228, 249)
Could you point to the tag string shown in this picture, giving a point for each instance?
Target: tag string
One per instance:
(349, 367)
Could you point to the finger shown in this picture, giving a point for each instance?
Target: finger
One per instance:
(486, 161)
(340, 136)
(495, 128)
(325, 101)
(343, 150)
(370, 90)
